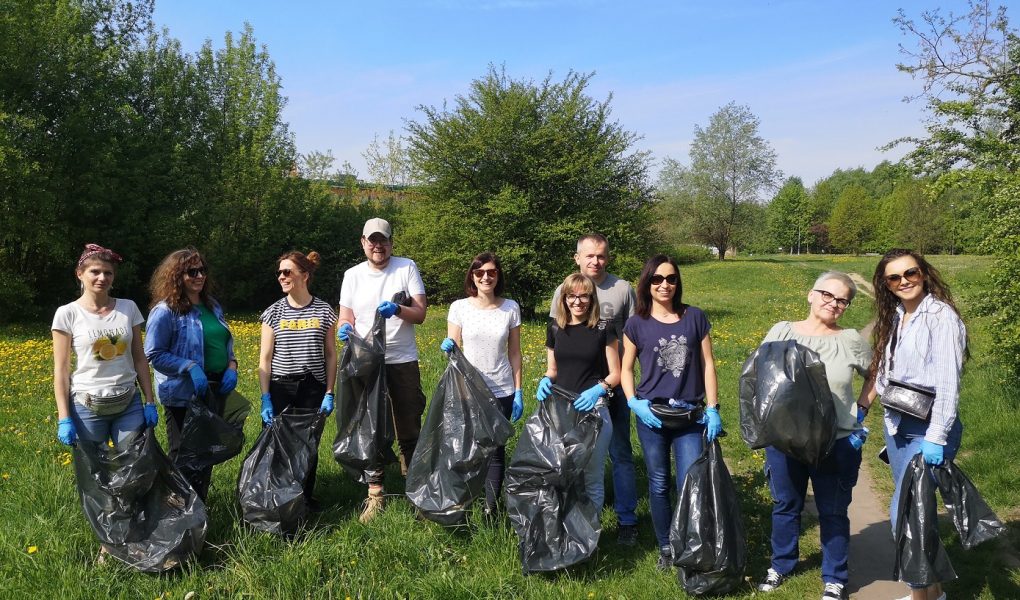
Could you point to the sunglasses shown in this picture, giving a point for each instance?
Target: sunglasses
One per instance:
(285, 272)
(842, 303)
(912, 275)
(479, 273)
(658, 279)
(195, 272)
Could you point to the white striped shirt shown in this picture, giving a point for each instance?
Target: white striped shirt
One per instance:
(299, 336)
(929, 352)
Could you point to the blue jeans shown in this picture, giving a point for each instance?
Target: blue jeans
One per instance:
(833, 482)
(905, 444)
(656, 445)
(595, 471)
(121, 427)
(622, 456)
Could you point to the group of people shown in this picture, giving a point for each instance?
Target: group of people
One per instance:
(599, 328)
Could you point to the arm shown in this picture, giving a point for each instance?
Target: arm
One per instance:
(515, 356)
(613, 362)
(266, 341)
(329, 349)
(550, 369)
(415, 313)
(948, 340)
(62, 372)
(711, 382)
(141, 364)
(344, 315)
(159, 332)
(627, 368)
(453, 331)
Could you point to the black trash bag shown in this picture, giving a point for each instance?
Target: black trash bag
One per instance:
(140, 507)
(707, 534)
(921, 558)
(464, 426)
(972, 516)
(213, 432)
(364, 419)
(785, 402)
(546, 500)
(270, 485)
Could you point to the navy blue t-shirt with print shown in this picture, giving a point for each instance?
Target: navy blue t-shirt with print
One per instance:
(670, 356)
(580, 353)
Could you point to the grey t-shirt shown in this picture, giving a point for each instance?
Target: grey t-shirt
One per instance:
(616, 302)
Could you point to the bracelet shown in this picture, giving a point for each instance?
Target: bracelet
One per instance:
(608, 388)
(863, 409)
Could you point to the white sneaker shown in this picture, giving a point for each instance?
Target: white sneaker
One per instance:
(834, 591)
(772, 580)
(908, 597)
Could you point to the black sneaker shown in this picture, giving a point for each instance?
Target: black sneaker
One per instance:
(627, 535)
(665, 559)
(834, 591)
(772, 580)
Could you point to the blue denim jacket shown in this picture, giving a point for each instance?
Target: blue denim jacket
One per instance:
(173, 343)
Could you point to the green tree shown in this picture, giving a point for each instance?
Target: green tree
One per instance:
(523, 169)
(730, 166)
(852, 221)
(387, 161)
(788, 217)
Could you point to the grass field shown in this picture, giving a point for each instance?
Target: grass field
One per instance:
(48, 550)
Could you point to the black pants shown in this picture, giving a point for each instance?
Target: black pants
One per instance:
(175, 415)
(497, 462)
(303, 392)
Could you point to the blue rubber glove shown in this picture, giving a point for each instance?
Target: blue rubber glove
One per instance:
(327, 404)
(857, 438)
(586, 401)
(518, 407)
(229, 381)
(151, 414)
(643, 409)
(447, 345)
(344, 332)
(544, 389)
(66, 432)
(932, 452)
(267, 409)
(713, 423)
(199, 380)
(387, 309)
(861, 413)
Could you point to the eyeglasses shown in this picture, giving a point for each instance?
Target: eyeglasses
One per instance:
(285, 272)
(842, 303)
(195, 272)
(479, 273)
(658, 279)
(913, 275)
(377, 242)
(578, 298)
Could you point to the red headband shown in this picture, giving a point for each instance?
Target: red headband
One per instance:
(94, 249)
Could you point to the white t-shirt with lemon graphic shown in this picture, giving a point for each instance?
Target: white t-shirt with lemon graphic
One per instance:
(102, 346)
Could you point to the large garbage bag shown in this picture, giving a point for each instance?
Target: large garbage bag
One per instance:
(464, 426)
(972, 516)
(141, 508)
(921, 558)
(270, 485)
(707, 533)
(364, 419)
(785, 402)
(213, 432)
(546, 501)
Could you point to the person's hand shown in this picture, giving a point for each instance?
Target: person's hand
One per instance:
(518, 407)
(344, 332)
(713, 423)
(586, 401)
(862, 412)
(857, 438)
(327, 404)
(932, 452)
(387, 309)
(199, 380)
(447, 345)
(228, 382)
(267, 409)
(66, 432)
(151, 414)
(544, 389)
(643, 409)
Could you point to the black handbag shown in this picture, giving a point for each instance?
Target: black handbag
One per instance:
(676, 418)
(906, 398)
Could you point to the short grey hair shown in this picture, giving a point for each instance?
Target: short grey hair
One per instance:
(840, 277)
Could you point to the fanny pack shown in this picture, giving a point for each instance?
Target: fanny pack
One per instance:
(676, 418)
(909, 399)
(109, 404)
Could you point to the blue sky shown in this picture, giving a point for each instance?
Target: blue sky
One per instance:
(820, 75)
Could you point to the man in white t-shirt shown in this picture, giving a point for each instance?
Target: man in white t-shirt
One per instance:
(367, 288)
(616, 304)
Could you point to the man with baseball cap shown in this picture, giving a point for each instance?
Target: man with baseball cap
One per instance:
(367, 288)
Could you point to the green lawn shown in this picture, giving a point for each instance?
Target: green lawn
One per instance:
(47, 549)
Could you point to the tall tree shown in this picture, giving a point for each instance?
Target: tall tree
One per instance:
(788, 217)
(731, 165)
(524, 168)
(853, 220)
(387, 161)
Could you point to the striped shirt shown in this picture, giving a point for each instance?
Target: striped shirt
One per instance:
(929, 352)
(299, 336)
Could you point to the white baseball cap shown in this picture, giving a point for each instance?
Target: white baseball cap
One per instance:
(377, 225)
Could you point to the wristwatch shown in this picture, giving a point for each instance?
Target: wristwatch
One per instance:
(609, 388)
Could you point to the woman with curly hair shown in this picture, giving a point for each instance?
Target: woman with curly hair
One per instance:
(189, 345)
(919, 342)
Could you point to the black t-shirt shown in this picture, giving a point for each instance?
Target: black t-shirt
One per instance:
(580, 353)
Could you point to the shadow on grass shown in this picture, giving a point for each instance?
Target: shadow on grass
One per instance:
(993, 566)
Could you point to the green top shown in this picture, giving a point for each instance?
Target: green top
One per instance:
(215, 341)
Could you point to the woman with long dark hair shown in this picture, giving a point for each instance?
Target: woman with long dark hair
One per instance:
(920, 343)
(671, 342)
(189, 344)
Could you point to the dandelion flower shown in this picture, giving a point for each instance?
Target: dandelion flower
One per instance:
(33, 549)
